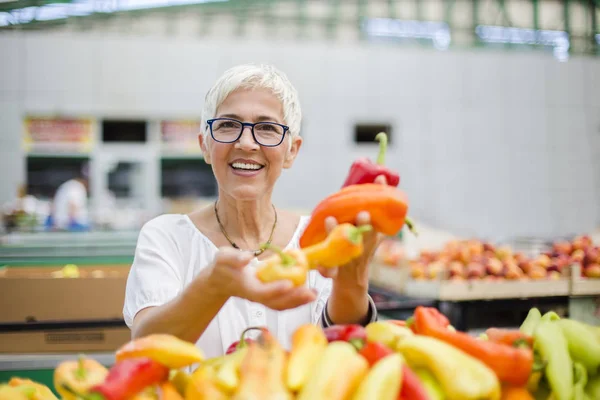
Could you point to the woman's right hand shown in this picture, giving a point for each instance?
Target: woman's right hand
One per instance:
(230, 275)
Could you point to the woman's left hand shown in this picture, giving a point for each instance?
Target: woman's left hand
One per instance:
(356, 272)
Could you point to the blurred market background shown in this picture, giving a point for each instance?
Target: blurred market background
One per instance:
(492, 108)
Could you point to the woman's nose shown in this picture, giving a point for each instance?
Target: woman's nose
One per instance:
(246, 141)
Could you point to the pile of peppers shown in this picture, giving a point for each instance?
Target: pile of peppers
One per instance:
(422, 358)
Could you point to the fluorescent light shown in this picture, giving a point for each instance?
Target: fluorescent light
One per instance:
(437, 32)
(86, 7)
(559, 40)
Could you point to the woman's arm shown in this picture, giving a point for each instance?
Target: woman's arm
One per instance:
(186, 316)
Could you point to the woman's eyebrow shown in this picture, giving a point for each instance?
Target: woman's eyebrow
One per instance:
(259, 118)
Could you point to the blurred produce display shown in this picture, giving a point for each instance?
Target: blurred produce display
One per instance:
(414, 359)
(461, 260)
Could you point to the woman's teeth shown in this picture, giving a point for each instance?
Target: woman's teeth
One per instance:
(246, 166)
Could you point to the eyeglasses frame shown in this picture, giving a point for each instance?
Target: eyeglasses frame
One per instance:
(251, 126)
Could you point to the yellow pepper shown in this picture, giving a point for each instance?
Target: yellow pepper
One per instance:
(228, 373)
(203, 386)
(342, 245)
(461, 376)
(180, 379)
(290, 264)
(387, 333)
(383, 381)
(32, 390)
(308, 344)
(168, 350)
(262, 371)
(15, 393)
(337, 374)
(79, 375)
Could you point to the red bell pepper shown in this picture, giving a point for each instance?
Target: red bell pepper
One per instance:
(243, 342)
(412, 388)
(352, 333)
(125, 379)
(364, 170)
(374, 351)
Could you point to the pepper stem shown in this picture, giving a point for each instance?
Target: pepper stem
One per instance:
(243, 342)
(411, 226)
(286, 259)
(80, 372)
(356, 232)
(381, 137)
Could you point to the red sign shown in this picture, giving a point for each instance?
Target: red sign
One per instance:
(48, 133)
(180, 136)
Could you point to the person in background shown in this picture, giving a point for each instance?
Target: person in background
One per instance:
(70, 204)
(193, 275)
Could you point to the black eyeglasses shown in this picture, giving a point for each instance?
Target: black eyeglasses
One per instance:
(229, 130)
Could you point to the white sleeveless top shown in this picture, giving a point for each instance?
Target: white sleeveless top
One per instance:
(171, 251)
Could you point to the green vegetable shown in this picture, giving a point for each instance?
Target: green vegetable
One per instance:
(533, 318)
(551, 344)
(593, 388)
(551, 316)
(584, 347)
(581, 378)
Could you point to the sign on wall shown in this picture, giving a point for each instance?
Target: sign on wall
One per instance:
(180, 136)
(57, 134)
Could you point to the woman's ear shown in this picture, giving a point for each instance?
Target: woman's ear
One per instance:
(204, 147)
(292, 152)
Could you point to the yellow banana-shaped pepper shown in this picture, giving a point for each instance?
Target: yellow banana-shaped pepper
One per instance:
(262, 372)
(387, 333)
(203, 386)
(15, 393)
(180, 379)
(80, 376)
(461, 376)
(32, 389)
(337, 374)
(228, 373)
(168, 350)
(383, 381)
(308, 344)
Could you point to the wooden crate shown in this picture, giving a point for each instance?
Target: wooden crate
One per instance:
(581, 286)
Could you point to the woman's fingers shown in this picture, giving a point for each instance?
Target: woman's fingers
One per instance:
(233, 257)
(282, 295)
(381, 179)
(330, 224)
(328, 272)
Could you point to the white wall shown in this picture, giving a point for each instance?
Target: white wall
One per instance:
(488, 143)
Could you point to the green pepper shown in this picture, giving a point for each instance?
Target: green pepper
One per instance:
(584, 347)
(431, 385)
(533, 318)
(581, 378)
(551, 316)
(551, 344)
(592, 388)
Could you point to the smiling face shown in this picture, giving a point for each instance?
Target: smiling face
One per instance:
(244, 169)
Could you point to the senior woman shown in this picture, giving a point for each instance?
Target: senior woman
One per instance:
(193, 275)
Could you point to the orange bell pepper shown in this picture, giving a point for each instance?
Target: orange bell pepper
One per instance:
(167, 350)
(511, 337)
(79, 375)
(515, 393)
(387, 206)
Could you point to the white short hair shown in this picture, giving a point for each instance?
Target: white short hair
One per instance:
(252, 76)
